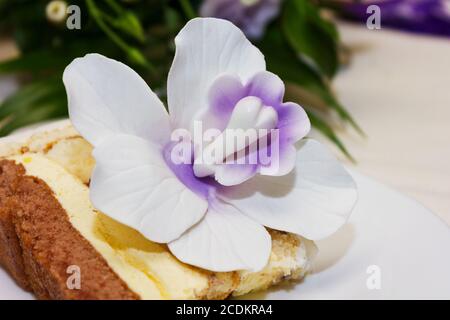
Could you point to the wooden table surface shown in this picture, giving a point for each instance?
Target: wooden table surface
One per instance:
(398, 88)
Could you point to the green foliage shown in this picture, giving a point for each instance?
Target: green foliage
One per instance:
(316, 39)
(300, 46)
(282, 60)
(310, 35)
(41, 100)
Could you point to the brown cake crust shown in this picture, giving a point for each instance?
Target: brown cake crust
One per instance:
(10, 250)
(38, 243)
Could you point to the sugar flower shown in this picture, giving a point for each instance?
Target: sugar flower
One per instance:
(251, 16)
(211, 214)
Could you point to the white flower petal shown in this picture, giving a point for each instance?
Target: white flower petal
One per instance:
(224, 240)
(233, 174)
(132, 184)
(107, 97)
(314, 200)
(205, 49)
(283, 164)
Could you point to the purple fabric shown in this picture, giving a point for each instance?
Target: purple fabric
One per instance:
(250, 16)
(420, 16)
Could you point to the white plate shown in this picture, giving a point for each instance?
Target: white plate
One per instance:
(390, 241)
(405, 247)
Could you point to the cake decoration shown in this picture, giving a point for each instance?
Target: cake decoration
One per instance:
(211, 214)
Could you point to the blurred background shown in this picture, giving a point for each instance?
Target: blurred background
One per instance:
(374, 76)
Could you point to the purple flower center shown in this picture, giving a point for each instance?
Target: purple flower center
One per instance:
(254, 132)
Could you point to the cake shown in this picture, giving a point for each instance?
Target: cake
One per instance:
(211, 196)
(48, 225)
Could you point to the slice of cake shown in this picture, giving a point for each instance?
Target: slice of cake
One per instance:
(50, 234)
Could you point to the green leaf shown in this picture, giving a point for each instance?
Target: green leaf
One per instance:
(133, 53)
(128, 23)
(46, 110)
(187, 8)
(135, 56)
(26, 96)
(38, 101)
(282, 60)
(310, 35)
(328, 132)
(290, 68)
(173, 20)
(131, 24)
(32, 62)
(125, 21)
